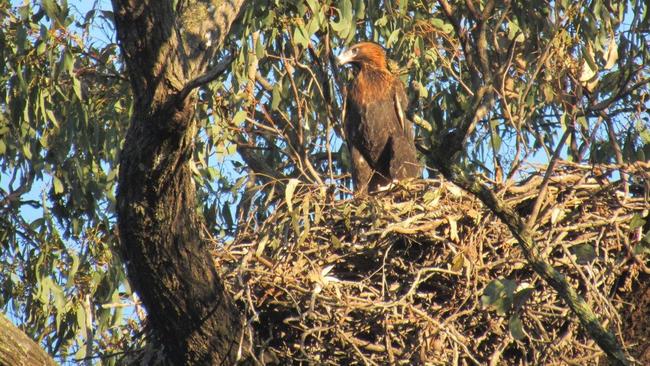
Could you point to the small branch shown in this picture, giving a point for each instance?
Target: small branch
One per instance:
(472, 9)
(482, 44)
(263, 82)
(588, 141)
(209, 76)
(253, 63)
(464, 42)
(618, 154)
(540, 65)
(547, 177)
(454, 142)
(618, 96)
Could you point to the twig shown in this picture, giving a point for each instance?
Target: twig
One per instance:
(617, 151)
(547, 176)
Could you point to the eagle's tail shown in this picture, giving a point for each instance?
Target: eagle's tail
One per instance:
(403, 159)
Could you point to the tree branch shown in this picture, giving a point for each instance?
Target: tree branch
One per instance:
(541, 196)
(16, 348)
(211, 75)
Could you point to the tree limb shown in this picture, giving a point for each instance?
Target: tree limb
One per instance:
(206, 78)
(16, 348)
(541, 196)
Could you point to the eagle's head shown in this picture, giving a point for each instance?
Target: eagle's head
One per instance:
(364, 54)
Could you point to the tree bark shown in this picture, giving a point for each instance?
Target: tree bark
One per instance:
(16, 348)
(166, 50)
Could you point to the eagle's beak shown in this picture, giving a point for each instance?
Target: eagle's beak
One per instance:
(345, 57)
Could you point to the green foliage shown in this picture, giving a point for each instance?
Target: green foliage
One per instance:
(63, 114)
(574, 68)
(505, 296)
(584, 253)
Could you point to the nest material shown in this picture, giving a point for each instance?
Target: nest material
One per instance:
(425, 274)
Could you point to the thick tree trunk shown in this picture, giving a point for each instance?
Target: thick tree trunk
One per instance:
(168, 262)
(17, 349)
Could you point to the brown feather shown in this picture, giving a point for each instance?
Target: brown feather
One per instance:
(370, 84)
(379, 136)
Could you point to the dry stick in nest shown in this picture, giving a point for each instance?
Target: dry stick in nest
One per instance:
(524, 237)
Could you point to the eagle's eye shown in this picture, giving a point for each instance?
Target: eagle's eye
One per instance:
(355, 51)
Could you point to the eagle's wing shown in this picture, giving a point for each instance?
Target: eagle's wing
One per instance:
(361, 171)
(403, 157)
(399, 110)
(379, 121)
(368, 128)
(400, 101)
(360, 145)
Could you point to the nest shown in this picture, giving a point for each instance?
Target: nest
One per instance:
(424, 274)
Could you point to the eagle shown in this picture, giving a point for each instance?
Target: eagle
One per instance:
(378, 134)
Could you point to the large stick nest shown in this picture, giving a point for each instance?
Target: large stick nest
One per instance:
(424, 274)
